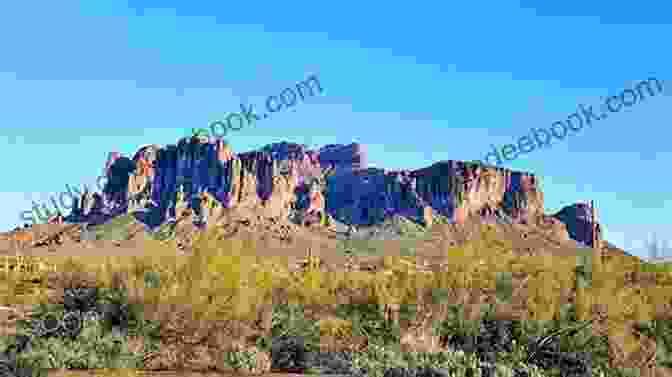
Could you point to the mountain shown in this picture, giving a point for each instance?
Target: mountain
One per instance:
(291, 201)
(294, 197)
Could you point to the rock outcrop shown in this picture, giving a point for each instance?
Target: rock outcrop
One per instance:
(144, 159)
(453, 189)
(287, 180)
(581, 222)
(347, 157)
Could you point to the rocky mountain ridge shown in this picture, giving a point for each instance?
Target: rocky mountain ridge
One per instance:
(333, 184)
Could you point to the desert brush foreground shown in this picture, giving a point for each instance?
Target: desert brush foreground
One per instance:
(226, 307)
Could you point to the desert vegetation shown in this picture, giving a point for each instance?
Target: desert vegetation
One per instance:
(483, 311)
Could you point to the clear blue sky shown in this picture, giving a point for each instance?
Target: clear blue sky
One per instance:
(418, 82)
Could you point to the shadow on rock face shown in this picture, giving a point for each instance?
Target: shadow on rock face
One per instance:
(149, 218)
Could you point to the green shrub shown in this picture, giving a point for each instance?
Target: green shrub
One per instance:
(92, 349)
(455, 323)
(96, 347)
(504, 286)
(241, 359)
(289, 320)
(376, 359)
(655, 267)
(116, 229)
(367, 320)
(661, 332)
(362, 247)
(152, 279)
(165, 232)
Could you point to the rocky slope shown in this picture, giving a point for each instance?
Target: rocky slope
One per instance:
(286, 181)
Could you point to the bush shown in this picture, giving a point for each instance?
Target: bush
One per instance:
(661, 331)
(379, 361)
(288, 321)
(58, 336)
(332, 363)
(367, 320)
(92, 349)
(249, 360)
(289, 354)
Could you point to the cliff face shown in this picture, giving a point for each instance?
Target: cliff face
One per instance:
(581, 223)
(286, 180)
(453, 189)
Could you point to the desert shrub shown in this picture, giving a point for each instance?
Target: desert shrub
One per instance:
(565, 344)
(294, 341)
(407, 250)
(334, 327)
(362, 247)
(379, 361)
(656, 267)
(152, 279)
(325, 219)
(220, 279)
(332, 363)
(377, 358)
(245, 359)
(289, 321)
(76, 334)
(115, 229)
(577, 335)
(457, 329)
(487, 337)
(462, 364)
(289, 354)
(92, 349)
(661, 331)
(130, 317)
(543, 300)
(111, 305)
(310, 285)
(625, 372)
(165, 232)
(584, 268)
(504, 286)
(367, 320)
(400, 281)
(560, 343)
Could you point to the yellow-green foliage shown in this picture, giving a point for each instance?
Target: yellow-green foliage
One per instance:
(17, 273)
(221, 278)
(225, 279)
(333, 326)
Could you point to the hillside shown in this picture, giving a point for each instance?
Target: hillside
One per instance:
(291, 195)
(285, 201)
